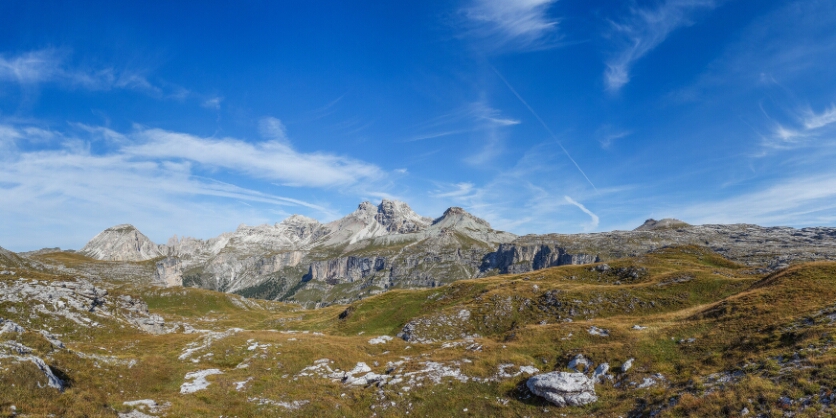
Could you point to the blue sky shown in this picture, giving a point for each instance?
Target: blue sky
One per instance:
(537, 115)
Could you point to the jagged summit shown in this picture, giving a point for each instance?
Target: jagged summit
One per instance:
(461, 221)
(652, 224)
(455, 215)
(121, 243)
(398, 217)
(390, 217)
(298, 220)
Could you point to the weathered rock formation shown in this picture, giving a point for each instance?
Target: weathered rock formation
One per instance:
(563, 389)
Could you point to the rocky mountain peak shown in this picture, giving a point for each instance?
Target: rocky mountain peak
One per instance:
(121, 243)
(398, 217)
(454, 210)
(460, 220)
(298, 220)
(652, 224)
(456, 215)
(366, 207)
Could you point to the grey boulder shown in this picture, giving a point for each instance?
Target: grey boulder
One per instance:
(563, 389)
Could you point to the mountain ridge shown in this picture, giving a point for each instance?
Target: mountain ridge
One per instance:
(381, 247)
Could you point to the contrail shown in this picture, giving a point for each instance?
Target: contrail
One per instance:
(544, 126)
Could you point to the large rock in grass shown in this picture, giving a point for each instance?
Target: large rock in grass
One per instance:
(562, 389)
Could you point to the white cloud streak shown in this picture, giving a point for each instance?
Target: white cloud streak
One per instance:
(806, 125)
(273, 129)
(152, 176)
(510, 24)
(273, 160)
(50, 66)
(212, 103)
(814, 120)
(583, 208)
(643, 30)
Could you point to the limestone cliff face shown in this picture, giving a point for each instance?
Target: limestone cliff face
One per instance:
(169, 272)
(345, 269)
(521, 258)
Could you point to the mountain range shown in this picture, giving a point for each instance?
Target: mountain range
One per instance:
(381, 247)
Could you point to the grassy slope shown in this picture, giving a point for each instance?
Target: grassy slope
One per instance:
(739, 322)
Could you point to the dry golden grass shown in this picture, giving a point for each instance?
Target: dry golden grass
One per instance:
(738, 322)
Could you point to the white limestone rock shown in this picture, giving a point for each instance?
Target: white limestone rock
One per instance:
(600, 374)
(580, 364)
(600, 332)
(627, 365)
(563, 389)
(383, 339)
(199, 381)
(9, 326)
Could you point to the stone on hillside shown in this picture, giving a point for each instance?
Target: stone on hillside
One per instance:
(638, 327)
(600, 374)
(199, 381)
(9, 326)
(593, 330)
(135, 414)
(383, 339)
(563, 389)
(52, 380)
(627, 365)
(580, 364)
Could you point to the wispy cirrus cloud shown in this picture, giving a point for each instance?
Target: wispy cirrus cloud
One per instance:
(486, 124)
(643, 30)
(274, 159)
(172, 181)
(813, 120)
(607, 134)
(501, 25)
(799, 127)
(798, 200)
(212, 103)
(51, 66)
(529, 197)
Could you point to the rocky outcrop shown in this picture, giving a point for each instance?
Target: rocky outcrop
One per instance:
(169, 272)
(9, 259)
(121, 243)
(82, 303)
(667, 223)
(563, 389)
